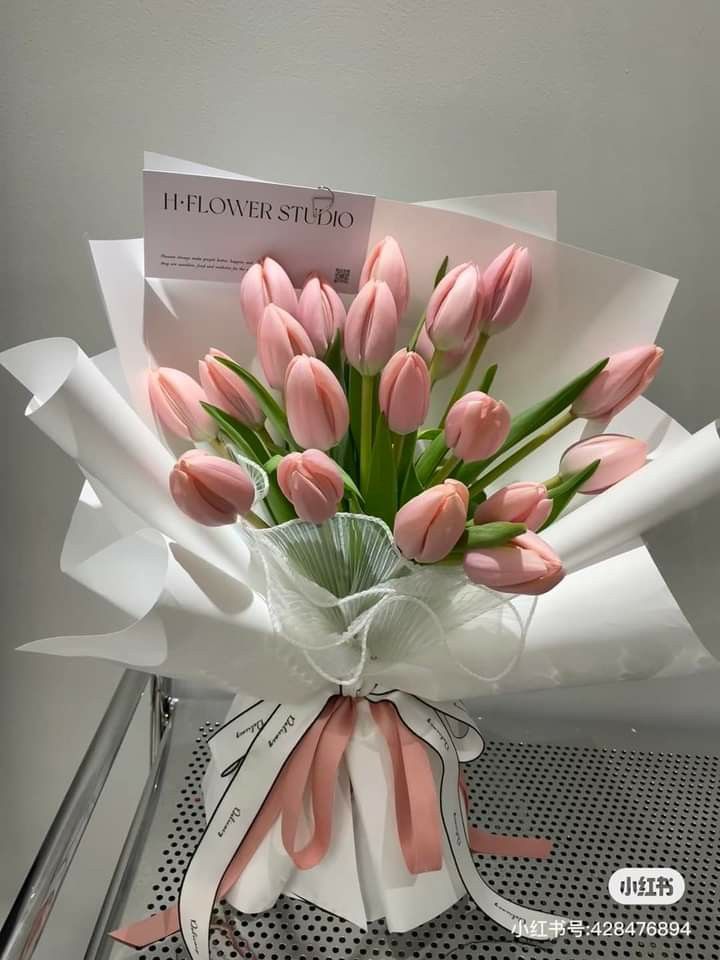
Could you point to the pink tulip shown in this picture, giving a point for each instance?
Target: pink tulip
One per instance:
(404, 393)
(526, 503)
(265, 282)
(619, 456)
(175, 399)
(280, 338)
(371, 328)
(317, 408)
(448, 360)
(312, 483)
(625, 376)
(226, 390)
(455, 308)
(525, 565)
(429, 525)
(321, 312)
(387, 262)
(209, 489)
(507, 284)
(476, 426)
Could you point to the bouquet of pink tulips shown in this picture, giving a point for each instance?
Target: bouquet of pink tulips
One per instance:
(341, 426)
(377, 550)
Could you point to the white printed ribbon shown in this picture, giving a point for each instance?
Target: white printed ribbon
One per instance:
(433, 724)
(266, 740)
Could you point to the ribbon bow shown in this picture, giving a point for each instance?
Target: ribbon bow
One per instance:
(297, 753)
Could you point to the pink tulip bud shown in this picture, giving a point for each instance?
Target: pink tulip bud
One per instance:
(404, 392)
(371, 328)
(625, 376)
(387, 262)
(280, 338)
(455, 308)
(448, 360)
(209, 489)
(476, 426)
(619, 456)
(507, 284)
(175, 399)
(312, 483)
(265, 282)
(526, 503)
(525, 565)
(429, 525)
(317, 408)
(226, 390)
(321, 312)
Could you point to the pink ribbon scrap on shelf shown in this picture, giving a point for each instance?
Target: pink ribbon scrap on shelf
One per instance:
(311, 767)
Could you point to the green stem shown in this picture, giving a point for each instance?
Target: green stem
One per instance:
(405, 456)
(553, 481)
(522, 452)
(262, 432)
(399, 441)
(366, 410)
(445, 470)
(487, 380)
(416, 332)
(254, 520)
(467, 373)
(219, 447)
(434, 364)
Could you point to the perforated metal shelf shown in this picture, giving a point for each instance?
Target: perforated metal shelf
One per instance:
(604, 808)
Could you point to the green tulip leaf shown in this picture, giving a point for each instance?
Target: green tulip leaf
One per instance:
(269, 405)
(277, 503)
(492, 534)
(381, 498)
(334, 357)
(272, 464)
(354, 389)
(350, 486)
(533, 418)
(405, 457)
(430, 433)
(411, 486)
(442, 270)
(487, 380)
(343, 454)
(562, 494)
(240, 434)
(430, 459)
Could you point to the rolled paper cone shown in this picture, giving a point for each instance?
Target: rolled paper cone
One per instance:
(680, 479)
(78, 408)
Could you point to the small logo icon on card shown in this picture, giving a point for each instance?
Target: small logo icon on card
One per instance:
(646, 885)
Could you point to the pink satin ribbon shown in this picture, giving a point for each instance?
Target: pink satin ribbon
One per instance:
(501, 845)
(314, 766)
(417, 811)
(315, 759)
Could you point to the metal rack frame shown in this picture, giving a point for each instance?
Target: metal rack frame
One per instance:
(608, 801)
(29, 913)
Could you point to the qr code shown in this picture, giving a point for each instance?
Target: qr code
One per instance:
(342, 275)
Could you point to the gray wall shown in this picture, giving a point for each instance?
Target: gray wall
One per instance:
(613, 103)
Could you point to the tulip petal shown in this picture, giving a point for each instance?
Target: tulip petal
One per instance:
(224, 484)
(501, 567)
(193, 504)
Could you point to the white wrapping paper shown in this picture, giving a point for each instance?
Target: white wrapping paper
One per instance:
(195, 597)
(158, 321)
(365, 848)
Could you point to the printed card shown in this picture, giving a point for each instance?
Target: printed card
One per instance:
(215, 228)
